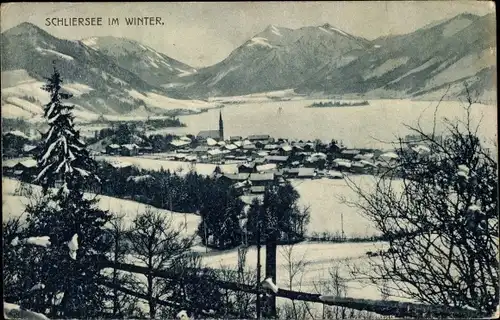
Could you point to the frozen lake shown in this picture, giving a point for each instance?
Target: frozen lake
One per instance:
(364, 126)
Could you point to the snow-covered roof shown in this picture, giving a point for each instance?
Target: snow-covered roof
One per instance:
(120, 164)
(277, 158)
(335, 174)
(211, 142)
(364, 156)
(28, 148)
(140, 178)
(421, 149)
(214, 152)
(231, 147)
(261, 177)
(266, 167)
(388, 156)
(114, 146)
(130, 146)
(350, 151)
(237, 176)
(286, 148)
(271, 146)
(318, 155)
(180, 143)
(185, 138)
(18, 134)
(29, 163)
(257, 189)
(306, 172)
(343, 163)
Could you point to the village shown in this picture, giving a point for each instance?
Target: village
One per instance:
(248, 163)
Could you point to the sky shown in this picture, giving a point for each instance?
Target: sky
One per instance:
(204, 33)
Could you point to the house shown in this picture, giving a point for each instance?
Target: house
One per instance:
(333, 174)
(211, 142)
(113, 149)
(26, 168)
(143, 150)
(261, 179)
(205, 134)
(364, 156)
(277, 159)
(129, 150)
(358, 167)
(342, 163)
(285, 150)
(249, 147)
(291, 172)
(274, 153)
(231, 147)
(305, 173)
(180, 143)
(258, 137)
(259, 144)
(246, 167)
(29, 150)
(260, 161)
(215, 154)
(257, 189)
(349, 153)
(270, 147)
(266, 167)
(235, 177)
(388, 157)
(201, 149)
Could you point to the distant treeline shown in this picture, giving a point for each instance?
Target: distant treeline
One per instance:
(331, 104)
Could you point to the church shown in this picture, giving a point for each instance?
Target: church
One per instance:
(214, 134)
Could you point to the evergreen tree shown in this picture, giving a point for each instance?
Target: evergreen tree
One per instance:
(63, 156)
(69, 269)
(220, 214)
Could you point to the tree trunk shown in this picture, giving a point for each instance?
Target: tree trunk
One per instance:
(151, 300)
(271, 248)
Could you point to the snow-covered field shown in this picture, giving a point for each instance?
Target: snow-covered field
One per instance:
(174, 166)
(325, 198)
(321, 258)
(13, 205)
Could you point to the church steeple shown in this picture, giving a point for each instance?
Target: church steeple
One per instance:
(221, 127)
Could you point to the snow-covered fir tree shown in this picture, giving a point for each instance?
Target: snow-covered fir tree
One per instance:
(63, 157)
(69, 268)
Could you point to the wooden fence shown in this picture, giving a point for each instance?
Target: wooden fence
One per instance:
(382, 307)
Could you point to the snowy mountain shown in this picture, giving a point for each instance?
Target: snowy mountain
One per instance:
(97, 81)
(277, 58)
(420, 64)
(115, 76)
(150, 65)
(325, 59)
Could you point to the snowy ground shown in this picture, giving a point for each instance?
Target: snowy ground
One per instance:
(321, 258)
(324, 197)
(13, 205)
(155, 164)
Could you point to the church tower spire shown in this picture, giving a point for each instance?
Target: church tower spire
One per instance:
(221, 126)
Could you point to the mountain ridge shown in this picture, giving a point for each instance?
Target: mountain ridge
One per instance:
(118, 75)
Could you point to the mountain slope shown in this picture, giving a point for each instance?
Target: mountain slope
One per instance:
(417, 64)
(275, 59)
(99, 84)
(150, 65)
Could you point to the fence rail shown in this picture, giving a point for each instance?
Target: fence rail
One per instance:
(382, 307)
